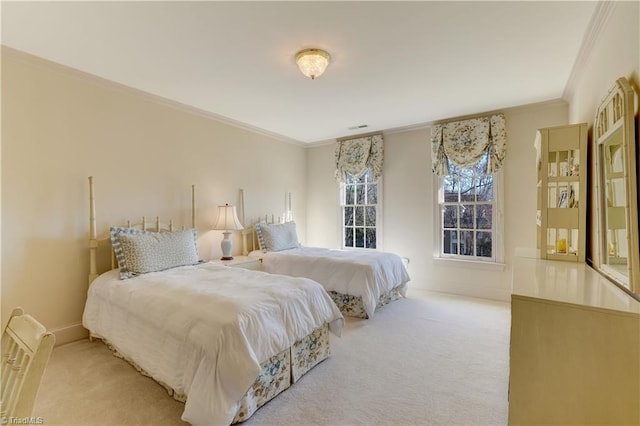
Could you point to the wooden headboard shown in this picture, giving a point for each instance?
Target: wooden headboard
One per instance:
(249, 237)
(97, 245)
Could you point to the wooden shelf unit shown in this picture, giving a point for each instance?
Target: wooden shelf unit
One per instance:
(562, 192)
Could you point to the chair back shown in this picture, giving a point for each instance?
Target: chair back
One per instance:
(26, 347)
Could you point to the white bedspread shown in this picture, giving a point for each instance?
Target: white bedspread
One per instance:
(364, 273)
(203, 330)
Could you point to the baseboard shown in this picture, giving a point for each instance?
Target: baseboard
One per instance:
(70, 333)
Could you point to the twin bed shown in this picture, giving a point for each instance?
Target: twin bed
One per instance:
(222, 340)
(358, 280)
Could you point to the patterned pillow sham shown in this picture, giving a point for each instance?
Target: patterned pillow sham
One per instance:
(140, 252)
(277, 237)
(114, 231)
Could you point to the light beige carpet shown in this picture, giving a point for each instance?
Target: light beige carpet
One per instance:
(429, 359)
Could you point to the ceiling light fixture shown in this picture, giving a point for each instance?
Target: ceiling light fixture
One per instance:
(312, 62)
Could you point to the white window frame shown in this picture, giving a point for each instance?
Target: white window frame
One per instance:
(496, 262)
(379, 204)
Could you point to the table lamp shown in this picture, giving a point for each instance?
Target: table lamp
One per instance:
(227, 221)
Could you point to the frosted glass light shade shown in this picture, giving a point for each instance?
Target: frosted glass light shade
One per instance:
(312, 62)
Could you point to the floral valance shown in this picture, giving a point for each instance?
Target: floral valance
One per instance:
(465, 142)
(355, 156)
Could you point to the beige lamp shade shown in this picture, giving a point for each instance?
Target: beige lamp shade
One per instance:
(227, 219)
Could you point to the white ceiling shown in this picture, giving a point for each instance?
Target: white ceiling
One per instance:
(394, 64)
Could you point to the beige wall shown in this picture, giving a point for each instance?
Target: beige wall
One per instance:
(59, 127)
(614, 54)
(408, 202)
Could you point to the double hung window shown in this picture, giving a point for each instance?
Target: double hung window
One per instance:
(467, 205)
(360, 197)
(467, 157)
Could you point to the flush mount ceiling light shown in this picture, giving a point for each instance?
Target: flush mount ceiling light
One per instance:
(312, 62)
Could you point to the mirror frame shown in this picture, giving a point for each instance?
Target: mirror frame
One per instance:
(617, 111)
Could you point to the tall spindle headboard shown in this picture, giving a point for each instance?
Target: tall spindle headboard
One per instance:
(249, 237)
(98, 243)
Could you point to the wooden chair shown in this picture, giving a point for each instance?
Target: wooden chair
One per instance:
(26, 346)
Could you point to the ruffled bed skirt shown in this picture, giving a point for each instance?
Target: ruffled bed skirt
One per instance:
(352, 306)
(277, 374)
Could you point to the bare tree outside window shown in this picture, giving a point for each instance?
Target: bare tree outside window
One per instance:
(467, 207)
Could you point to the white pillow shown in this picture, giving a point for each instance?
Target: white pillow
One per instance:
(277, 237)
(156, 251)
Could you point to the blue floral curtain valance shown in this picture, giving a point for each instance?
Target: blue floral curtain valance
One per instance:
(355, 156)
(465, 142)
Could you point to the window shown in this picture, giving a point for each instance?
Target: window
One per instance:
(467, 205)
(360, 197)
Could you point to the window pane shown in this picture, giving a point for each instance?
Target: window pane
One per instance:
(466, 172)
(359, 237)
(450, 216)
(359, 216)
(450, 185)
(483, 244)
(367, 176)
(349, 194)
(450, 242)
(484, 188)
(484, 216)
(466, 243)
(467, 190)
(348, 216)
(480, 168)
(466, 216)
(348, 237)
(352, 179)
(360, 194)
(371, 237)
(372, 194)
(453, 169)
(370, 219)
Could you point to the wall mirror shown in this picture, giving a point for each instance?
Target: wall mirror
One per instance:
(617, 255)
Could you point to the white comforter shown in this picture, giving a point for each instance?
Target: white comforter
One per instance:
(203, 330)
(364, 273)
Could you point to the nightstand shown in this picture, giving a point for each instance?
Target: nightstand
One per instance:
(245, 262)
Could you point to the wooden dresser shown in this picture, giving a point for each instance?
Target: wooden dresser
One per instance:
(575, 347)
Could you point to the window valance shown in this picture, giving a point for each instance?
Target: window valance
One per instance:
(355, 156)
(465, 142)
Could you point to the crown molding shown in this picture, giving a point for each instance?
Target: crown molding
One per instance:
(112, 85)
(428, 124)
(598, 21)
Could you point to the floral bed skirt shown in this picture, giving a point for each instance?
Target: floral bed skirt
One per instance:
(277, 374)
(352, 306)
(274, 378)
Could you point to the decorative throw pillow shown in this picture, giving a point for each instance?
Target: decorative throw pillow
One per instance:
(114, 231)
(142, 252)
(277, 237)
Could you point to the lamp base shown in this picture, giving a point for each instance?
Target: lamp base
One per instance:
(226, 246)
